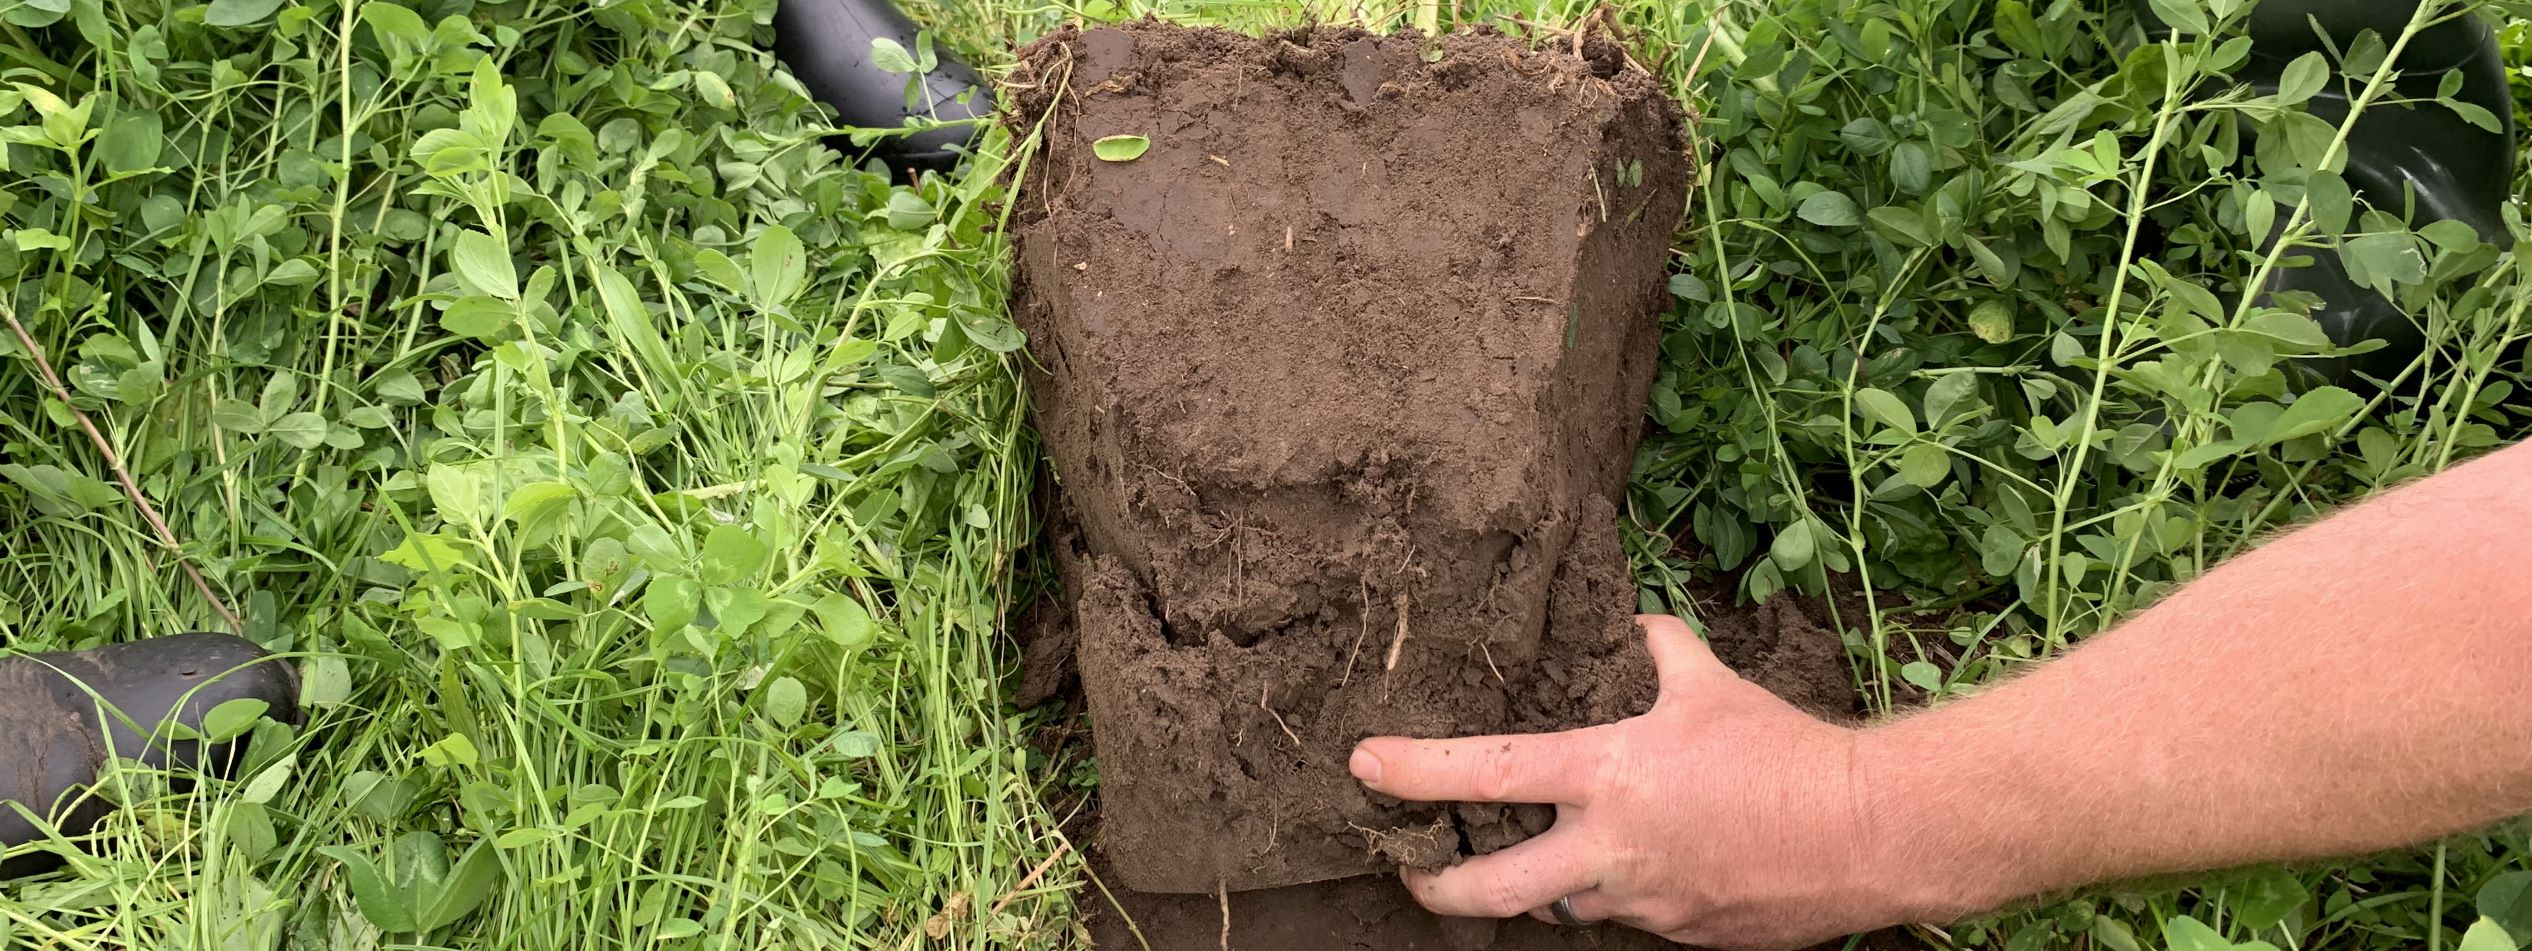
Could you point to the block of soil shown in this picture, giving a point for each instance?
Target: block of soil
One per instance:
(1341, 377)
(1787, 646)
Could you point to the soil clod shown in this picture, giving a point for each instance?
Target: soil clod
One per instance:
(1341, 378)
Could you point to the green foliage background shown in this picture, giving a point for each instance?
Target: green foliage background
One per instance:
(637, 483)
(633, 476)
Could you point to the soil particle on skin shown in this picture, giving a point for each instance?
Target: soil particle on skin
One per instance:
(1340, 378)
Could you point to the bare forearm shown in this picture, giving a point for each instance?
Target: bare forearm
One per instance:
(2359, 684)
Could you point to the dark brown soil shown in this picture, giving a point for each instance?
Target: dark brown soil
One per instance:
(1784, 645)
(1341, 379)
(1789, 645)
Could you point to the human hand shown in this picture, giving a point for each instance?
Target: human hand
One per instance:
(1724, 818)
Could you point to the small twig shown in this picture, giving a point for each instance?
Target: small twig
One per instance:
(1279, 718)
(1362, 600)
(1029, 879)
(1092, 874)
(166, 536)
(1222, 890)
(1714, 24)
(1398, 643)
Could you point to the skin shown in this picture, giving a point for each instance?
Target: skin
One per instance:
(2358, 684)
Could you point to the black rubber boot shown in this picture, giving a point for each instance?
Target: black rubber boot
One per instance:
(827, 43)
(2397, 155)
(54, 735)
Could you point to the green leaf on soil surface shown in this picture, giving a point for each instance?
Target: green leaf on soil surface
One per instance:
(1120, 148)
(1793, 546)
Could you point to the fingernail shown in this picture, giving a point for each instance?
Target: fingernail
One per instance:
(1364, 766)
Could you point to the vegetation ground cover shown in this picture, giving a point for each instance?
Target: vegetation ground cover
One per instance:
(642, 487)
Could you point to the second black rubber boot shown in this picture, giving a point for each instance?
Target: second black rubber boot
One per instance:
(2424, 156)
(55, 735)
(827, 44)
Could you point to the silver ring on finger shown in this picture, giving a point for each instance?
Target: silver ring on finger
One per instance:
(1563, 909)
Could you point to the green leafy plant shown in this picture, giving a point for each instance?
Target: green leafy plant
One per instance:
(630, 476)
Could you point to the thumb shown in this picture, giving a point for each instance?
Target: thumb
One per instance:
(1681, 659)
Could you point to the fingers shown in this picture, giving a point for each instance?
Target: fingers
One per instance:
(1680, 658)
(1512, 882)
(1540, 767)
(1591, 906)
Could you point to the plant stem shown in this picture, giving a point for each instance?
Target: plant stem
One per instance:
(114, 461)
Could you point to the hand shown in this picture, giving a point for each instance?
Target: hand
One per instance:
(1724, 818)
